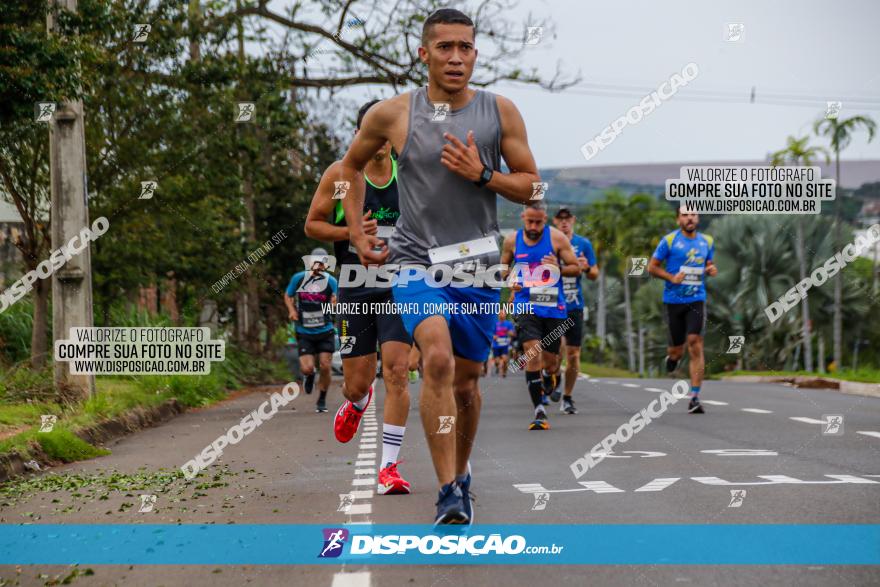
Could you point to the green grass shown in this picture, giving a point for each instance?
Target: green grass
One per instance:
(63, 445)
(594, 370)
(115, 396)
(865, 375)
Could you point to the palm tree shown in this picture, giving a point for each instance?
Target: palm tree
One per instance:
(839, 133)
(602, 227)
(643, 222)
(797, 152)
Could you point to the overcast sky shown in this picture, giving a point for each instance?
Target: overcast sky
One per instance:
(819, 50)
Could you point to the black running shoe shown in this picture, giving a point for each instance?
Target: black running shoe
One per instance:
(695, 407)
(568, 404)
(321, 406)
(467, 498)
(556, 394)
(540, 422)
(671, 365)
(450, 506)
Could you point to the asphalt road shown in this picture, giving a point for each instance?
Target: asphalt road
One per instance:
(764, 439)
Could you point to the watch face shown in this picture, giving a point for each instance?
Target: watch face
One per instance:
(487, 174)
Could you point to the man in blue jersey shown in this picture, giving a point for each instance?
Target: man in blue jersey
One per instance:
(688, 257)
(504, 331)
(535, 250)
(574, 304)
(305, 298)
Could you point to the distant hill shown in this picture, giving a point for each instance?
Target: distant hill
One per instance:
(579, 186)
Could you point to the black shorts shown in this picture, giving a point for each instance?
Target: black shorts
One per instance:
(685, 319)
(499, 351)
(360, 333)
(574, 334)
(531, 327)
(314, 344)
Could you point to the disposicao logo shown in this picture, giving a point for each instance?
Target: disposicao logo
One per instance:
(334, 540)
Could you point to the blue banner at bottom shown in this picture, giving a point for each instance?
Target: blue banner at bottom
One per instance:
(294, 544)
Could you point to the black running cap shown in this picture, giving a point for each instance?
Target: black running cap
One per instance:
(563, 212)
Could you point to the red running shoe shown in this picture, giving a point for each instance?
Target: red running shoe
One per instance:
(390, 481)
(348, 418)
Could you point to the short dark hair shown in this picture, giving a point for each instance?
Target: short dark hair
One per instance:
(536, 205)
(363, 111)
(445, 16)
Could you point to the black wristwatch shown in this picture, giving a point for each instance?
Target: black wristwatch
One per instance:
(485, 177)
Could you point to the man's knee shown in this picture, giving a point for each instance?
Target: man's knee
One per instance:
(466, 390)
(395, 372)
(675, 352)
(438, 363)
(695, 344)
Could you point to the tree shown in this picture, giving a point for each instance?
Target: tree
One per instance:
(796, 153)
(840, 133)
(602, 226)
(33, 68)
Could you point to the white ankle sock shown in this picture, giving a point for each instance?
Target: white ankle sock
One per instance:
(392, 438)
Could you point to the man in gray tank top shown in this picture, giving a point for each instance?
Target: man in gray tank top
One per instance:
(451, 139)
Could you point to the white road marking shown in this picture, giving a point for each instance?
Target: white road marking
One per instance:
(712, 402)
(360, 509)
(869, 433)
(807, 420)
(655, 389)
(365, 471)
(363, 482)
(629, 385)
(741, 452)
(365, 463)
(658, 484)
(366, 455)
(359, 579)
(601, 487)
(371, 446)
(756, 411)
(362, 493)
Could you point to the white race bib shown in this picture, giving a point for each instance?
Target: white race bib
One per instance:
(692, 275)
(544, 296)
(313, 319)
(458, 251)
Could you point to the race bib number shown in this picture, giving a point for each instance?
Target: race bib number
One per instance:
(475, 248)
(692, 275)
(502, 341)
(313, 319)
(544, 296)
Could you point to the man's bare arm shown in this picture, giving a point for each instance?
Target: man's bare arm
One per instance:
(507, 250)
(565, 251)
(321, 207)
(655, 269)
(463, 158)
(516, 186)
(375, 130)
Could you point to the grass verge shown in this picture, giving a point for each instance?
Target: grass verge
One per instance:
(860, 375)
(20, 419)
(594, 370)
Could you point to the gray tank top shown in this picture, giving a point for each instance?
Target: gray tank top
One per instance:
(439, 208)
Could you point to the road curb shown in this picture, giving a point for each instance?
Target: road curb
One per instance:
(13, 464)
(803, 381)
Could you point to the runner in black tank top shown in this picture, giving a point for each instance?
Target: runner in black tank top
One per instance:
(364, 328)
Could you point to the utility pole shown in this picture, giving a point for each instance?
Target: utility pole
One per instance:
(72, 284)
